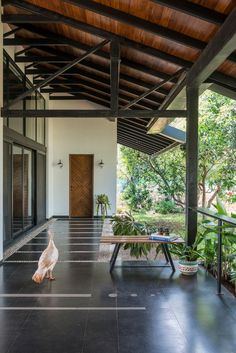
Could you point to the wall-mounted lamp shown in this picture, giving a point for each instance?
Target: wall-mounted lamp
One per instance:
(101, 164)
(60, 164)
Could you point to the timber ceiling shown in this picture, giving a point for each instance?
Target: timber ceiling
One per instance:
(159, 41)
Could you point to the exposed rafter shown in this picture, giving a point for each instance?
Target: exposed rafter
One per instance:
(194, 10)
(57, 73)
(216, 52)
(154, 88)
(50, 16)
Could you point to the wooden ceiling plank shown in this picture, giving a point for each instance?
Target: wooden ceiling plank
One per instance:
(114, 74)
(216, 52)
(105, 11)
(194, 10)
(216, 76)
(137, 22)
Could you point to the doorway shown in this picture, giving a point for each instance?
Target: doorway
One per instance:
(81, 185)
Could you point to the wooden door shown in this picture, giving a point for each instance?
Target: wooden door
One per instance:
(81, 185)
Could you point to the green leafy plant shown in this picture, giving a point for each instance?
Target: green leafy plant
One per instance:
(209, 231)
(102, 204)
(187, 253)
(125, 224)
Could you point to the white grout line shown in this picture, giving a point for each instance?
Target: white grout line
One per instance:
(40, 251)
(65, 233)
(36, 261)
(62, 244)
(74, 237)
(22, 295)
(81, 308)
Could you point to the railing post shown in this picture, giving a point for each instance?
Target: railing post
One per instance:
(219, 257)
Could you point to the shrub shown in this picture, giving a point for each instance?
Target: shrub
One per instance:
(166, 206)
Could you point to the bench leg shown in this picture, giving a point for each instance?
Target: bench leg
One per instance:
(169, 257)
(114, 256)
(164, 252)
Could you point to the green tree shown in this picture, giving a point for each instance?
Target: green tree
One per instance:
(164, 175)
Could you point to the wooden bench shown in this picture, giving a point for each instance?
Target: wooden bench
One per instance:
(138, 239)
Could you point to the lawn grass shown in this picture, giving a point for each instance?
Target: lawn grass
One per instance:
(174, 221)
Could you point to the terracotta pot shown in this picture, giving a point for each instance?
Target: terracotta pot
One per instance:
(188, 268)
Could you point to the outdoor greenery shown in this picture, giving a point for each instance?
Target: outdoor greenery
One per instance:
(208, 240)
(153, 188)
(158, 183)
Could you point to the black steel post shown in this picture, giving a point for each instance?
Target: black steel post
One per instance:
(191, 163)
(219, 257)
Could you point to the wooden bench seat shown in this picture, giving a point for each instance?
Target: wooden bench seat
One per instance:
(119, 240)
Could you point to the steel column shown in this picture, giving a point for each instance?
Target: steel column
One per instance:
(191, 163)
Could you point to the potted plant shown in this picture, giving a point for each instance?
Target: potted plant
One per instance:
(103, 203)
(188, 257)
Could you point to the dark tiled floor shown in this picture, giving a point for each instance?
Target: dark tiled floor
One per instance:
(86, 310)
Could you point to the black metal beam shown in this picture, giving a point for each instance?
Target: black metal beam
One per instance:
(62, 41)
(216, 52)
(48, 16)
(115, 75)
(137, 22)
(194, 10)
(13, 31)
(154, 88)
(216, 77)
(57, 73)
(191, 163)
(70, 113)
(31, 41)
(170, 97)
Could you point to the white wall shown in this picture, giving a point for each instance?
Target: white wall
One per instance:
(1, 141)
(81, 136)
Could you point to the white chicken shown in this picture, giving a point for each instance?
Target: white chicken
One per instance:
(47, 262)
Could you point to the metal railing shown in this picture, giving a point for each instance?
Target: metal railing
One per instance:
(221, 220)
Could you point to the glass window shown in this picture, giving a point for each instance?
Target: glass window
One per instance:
(40, 130)
(5, 121)
(16, 124)
(30, 128)
(28, 190)
(17, 189)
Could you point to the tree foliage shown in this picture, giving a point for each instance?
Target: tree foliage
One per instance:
(149, 179)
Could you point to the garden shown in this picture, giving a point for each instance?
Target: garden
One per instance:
(151, 190)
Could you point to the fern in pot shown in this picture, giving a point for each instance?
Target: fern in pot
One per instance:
(102, 205)
(188, 257)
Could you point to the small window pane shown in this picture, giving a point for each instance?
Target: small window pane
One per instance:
(30, 128)
(40, 130)
(5, 121)
(16, 124)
